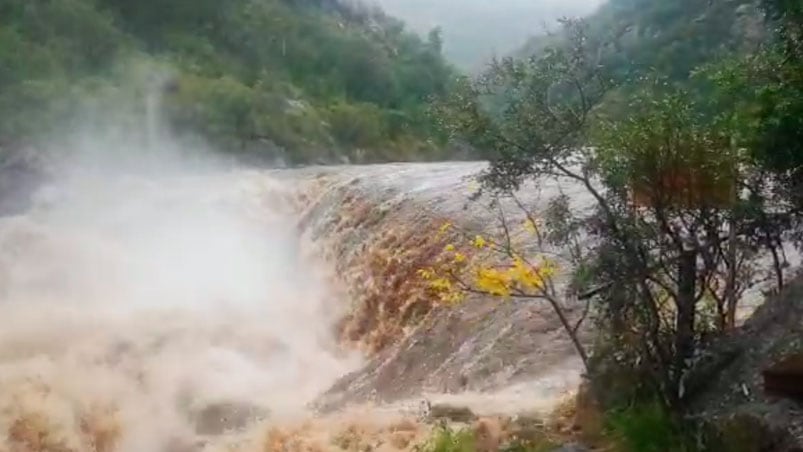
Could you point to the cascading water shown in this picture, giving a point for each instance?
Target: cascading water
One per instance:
(152, 302)
(172, 306)
(153, 310)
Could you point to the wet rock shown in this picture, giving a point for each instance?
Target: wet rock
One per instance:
(747, 432)
(528, 429)
(183, 445)
(736, 408)
(785, 377)
(401, 440)
(488, 434)
(219, 418)
(451, 413)
(571, 448)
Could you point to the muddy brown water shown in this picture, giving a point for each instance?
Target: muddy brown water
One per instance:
(200, 311)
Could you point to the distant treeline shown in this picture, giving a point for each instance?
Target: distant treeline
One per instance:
(302, 80)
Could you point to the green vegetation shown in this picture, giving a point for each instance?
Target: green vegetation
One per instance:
(670, 38)
(453, 439)
(300, 79)
(687, 142)
(646, 428)
(446, 439)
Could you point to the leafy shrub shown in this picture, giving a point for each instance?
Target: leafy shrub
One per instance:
(647, 427)
(445, 439)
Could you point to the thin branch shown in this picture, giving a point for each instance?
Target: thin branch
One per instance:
(583, 316)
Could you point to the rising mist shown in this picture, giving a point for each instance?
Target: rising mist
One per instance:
(149, 281)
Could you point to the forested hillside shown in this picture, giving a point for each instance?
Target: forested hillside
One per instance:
(303, 80)
(670, 37)
(681, 122)
(670, 40)
(480, 29)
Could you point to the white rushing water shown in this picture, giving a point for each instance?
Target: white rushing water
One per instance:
(160, 299)
(140, 299)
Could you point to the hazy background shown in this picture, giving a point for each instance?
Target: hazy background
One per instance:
(473, 30)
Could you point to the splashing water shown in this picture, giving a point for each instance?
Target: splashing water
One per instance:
(142, 311)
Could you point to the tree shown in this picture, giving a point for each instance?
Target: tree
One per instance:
(499, 266)
(666, 248)
(763, 92)
(435, 39)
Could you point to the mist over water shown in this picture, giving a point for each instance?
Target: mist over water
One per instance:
(144, 286)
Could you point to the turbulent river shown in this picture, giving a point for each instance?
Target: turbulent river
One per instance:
(179, 306)
(144, 312)
(163, 309)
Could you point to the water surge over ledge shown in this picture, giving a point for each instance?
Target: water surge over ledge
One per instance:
(156, 299)
(154, 309)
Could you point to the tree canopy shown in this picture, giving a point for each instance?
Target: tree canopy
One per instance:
(694, 185)
(269, 76)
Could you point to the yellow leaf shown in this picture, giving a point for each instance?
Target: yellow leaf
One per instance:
(426, 273)
(453, 297)
(530, 226)
(441, 284)
(449, 248)
(480, 242)
(459, 258)
(494, 282)
(526, 276)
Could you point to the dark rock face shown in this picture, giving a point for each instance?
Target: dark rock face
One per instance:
(219, 418)
(747, 431)
(745, 410)
(785, 378)
(451, 413)
(571, 448)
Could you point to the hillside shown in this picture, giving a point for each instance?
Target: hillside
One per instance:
(301, 80)
(670, 38)
(480, 29)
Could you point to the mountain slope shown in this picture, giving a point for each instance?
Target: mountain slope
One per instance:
(479, 28)
(671, 38)
(299, 79)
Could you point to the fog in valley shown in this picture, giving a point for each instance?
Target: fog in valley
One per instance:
(475, 30)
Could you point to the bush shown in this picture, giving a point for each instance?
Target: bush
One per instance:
(359, 125)
(445, 439)
(647, 427)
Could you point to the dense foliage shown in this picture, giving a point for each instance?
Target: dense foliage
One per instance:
(300, 79)
(670, 38)
(692, 184)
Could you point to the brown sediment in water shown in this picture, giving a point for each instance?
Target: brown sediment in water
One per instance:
(217, 335)
(378, 236)
(386, 294)
(390, 295)
(135, 310)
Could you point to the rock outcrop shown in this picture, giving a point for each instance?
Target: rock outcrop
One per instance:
(743, 412)
(785, 377)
